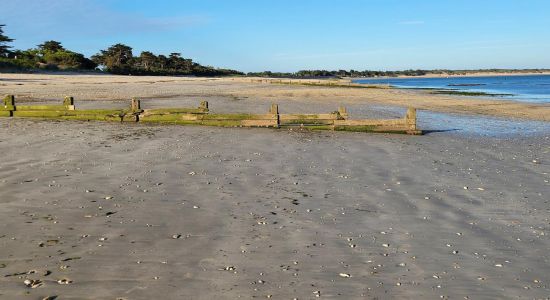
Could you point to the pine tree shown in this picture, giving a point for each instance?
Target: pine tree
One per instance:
(4, 48)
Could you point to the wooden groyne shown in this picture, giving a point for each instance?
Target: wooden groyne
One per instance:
(338, 120)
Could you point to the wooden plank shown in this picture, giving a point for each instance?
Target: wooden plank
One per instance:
(259, 123)
(390, 122)
(41, 107)
(308, 117)
(238, 117)
(7, 108)
(168, 117)
(160, 111)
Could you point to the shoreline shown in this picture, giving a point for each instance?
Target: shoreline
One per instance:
(479, 74)
(254, 95)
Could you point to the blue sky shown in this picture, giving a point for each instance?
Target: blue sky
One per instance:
(290, 35)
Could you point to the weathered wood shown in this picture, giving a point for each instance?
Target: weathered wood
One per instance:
(9, 100)
(204, 106)
(200, 116)
(41, 107)
(167, 111)
(7, 108)
(135, 105)
(410, 119)
(274, 109)
(259, 123)
(395, 123)
(343, 112)
(68, 101)
(238, 117)
(332, 116)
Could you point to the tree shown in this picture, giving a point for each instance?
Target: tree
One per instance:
(52, 46)
(116, 59)
(147, 60)
(4, 48)
(162, 61)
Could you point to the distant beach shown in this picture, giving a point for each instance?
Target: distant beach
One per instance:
(478, 74)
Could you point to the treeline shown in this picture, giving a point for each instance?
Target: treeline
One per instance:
(117, 59)
(339, 73)
(50, 55)
(353, 73)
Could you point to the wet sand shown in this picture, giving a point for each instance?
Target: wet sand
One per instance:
(40, 87)
(127, 211)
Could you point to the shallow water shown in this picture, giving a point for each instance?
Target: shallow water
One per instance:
(470, 125)
(532, 88)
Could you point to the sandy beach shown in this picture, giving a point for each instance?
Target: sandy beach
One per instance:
(97, 210)
(135, 212)
(238, 93)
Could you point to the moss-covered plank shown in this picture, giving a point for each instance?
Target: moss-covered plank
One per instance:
(102, 111)
(7, 107)
(221, 123)
(41, 113)
(239, 117)
(259, 123)
(390, 122)
(306, 122)
(284, 117)
(167, 118)
(57, 114)
(318, 127)
(41, 107)
(158, 111)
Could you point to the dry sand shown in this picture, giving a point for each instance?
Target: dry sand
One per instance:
(104, 87)
(129, 211)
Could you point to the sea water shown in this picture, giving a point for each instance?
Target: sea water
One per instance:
(524, 88)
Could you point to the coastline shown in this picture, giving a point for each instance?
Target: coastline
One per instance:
(235, 212)
(254, 95)
(477, 74)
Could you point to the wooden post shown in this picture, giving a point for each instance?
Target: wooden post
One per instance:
(9, 105)
(204, 106)
(136, 105)
(410, 119)
(275, 111)
(68, 101)
(9, 100)
(343, 112)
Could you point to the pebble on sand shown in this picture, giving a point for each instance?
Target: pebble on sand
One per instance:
(64, 281)
(33, 283)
